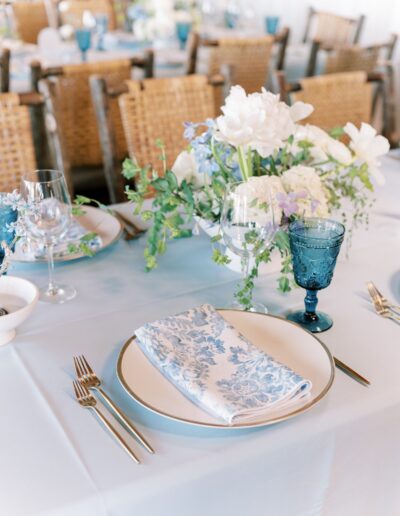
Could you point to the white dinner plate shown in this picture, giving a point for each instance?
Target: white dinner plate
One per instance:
(94, 220)
(285, 341)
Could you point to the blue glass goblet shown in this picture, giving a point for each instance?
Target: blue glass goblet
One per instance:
(8, 215)
(83, 38)
(315, 245)
(182, 32)
(271, 24)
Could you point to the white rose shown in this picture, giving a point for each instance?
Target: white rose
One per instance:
(367, 147)
(305, 179)
(263, 189)
(259, 121)
(323, 144)
(185, 167)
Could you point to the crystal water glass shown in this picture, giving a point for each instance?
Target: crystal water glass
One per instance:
(84, 39)
(101, 30)
(47, 220)
(248, 228)
(315, 245)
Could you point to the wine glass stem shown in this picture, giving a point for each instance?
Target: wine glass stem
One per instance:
(245, 266)
(311, 301)
(52, 289)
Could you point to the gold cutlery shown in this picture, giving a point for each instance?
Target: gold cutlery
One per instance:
(350, 372)
(90, 380)
(374, 293)
(380, 308)
(130, 229)
(88, 401)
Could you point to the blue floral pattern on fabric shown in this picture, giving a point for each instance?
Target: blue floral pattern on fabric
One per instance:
(213, 365)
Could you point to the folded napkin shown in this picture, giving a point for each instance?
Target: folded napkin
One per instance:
(35, 250)
(214, 366)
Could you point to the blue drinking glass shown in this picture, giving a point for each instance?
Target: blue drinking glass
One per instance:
(271, 24)
(231, 19)
(182, 31)
(83, 38)
(315, 245)
(7, 216)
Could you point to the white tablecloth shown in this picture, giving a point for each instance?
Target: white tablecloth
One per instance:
(341, 458)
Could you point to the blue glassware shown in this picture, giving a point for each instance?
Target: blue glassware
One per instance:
(83, 38)
(101, 30)
(182, 31)
(271, 24)
(7, 216)
(231, 19)
(315, 245)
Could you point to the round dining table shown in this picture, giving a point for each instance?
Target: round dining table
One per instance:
(340, 458)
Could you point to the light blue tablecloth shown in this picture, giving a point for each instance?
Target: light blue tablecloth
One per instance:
(341, 458)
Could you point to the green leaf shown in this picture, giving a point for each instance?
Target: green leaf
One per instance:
(216, 238)
(88, 237)
(284, 284)
(172, 181)
(336, 132)
(282, 240)
(219, 258)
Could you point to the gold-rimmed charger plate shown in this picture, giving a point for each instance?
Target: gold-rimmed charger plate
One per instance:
(94, 220)
(282, 339)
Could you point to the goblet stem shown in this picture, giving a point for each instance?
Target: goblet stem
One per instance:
(245, 262)
(310, 302)
(51, 289)
(84, 59)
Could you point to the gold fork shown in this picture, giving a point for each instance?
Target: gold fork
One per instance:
(88, 401)
(90, 380)
(380, 309)
(373, 290)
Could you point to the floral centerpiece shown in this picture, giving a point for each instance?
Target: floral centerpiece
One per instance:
(303, 170)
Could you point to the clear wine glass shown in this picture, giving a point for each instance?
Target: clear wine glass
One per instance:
(47, 221)
(248, 229)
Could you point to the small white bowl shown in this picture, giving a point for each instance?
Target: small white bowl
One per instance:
(19, 297)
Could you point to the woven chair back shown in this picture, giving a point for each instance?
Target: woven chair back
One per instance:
(30, 18)
(248, 58)
(71, 11)
(17, 153)
(353, 59)
(75, 111)
(156, 109)
(337, 99)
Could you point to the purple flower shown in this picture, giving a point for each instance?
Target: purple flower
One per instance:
(314, 204)
(287, 202)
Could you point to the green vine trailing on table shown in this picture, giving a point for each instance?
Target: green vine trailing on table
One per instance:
(302, 169)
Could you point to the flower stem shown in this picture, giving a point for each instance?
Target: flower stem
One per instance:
(243, 163)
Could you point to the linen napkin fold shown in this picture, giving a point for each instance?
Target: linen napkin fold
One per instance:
(35, 250)
(217, 368)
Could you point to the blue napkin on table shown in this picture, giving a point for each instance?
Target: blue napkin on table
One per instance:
(214, 366)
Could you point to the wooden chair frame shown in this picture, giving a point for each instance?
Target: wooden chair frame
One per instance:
(357, 22)
(101, 95)
(5, 70)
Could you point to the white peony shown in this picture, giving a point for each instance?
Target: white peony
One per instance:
(305, 179)
(259, 121)
(323, 144)
(185, 167)
(264, 189)
(367, 147)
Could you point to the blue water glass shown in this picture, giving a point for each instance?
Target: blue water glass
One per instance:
(84, 39)
(101, 30)
(271, 24)
(182, 32)
(231, 19)
(7, 216)
(315, 245)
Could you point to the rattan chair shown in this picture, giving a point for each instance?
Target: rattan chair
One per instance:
(353, 59)
(4, 70)
(152, 109)
(249, 59)
(337, 99)
(331, 29)
(69, 100)
(30, 18)
(71, 11)
(18, 151)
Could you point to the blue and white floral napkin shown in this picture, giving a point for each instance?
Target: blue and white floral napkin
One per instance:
(214, 366)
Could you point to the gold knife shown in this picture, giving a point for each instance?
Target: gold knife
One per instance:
(350, 372)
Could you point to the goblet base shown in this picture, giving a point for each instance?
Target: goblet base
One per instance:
(57, 295)
(320, 323)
